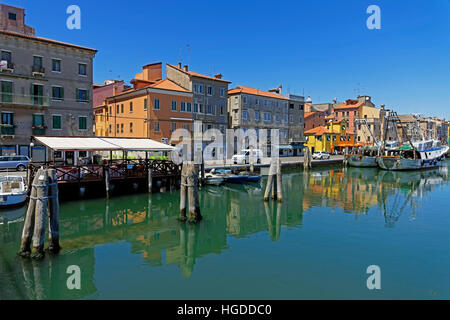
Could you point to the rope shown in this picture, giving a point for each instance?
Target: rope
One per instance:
(189, 185)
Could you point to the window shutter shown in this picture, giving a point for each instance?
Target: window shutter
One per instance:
(62, 93)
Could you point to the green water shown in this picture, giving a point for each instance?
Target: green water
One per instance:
(316, 244)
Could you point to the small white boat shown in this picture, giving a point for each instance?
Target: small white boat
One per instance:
(214, 179)
(13, 191)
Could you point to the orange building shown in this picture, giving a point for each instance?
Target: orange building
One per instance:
(153, 108)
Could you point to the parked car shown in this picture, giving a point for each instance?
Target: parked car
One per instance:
(18, 163)
(320, 155)
(244, 156)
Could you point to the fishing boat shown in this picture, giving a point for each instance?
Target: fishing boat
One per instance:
(366, 157)
(417, 155)
(13, 191)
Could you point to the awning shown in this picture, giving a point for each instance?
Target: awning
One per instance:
(101, 144)
(131, 144)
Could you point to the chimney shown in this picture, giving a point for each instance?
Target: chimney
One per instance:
(382, 106)
(218, 76)
(186, 68)
(179, 65)
(153, 72)
(115, 90)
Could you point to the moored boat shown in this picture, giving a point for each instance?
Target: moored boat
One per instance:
(13, 191)
(421, 155)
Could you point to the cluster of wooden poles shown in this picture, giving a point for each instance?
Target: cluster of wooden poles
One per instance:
(189, 190)
(43, 198)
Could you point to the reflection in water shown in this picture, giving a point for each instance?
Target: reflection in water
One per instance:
(149, 223)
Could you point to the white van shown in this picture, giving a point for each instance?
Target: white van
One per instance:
(244, 156)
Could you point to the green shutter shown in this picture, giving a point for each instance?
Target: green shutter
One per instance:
(54, 93)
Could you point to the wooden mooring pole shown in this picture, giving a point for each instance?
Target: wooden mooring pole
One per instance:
(189, 189)
(43, 197)
(274, 181)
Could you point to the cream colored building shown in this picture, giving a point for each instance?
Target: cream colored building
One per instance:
(46, 87)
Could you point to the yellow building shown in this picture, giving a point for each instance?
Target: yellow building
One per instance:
(330, 138)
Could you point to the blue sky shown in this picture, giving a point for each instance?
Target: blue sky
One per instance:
(318, 48)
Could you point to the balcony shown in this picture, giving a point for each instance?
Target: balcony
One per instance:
(7, 129)
(38, 130)
(25, 100)
(38, 71)
(7, 67)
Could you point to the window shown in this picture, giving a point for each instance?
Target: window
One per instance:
(38, 120)
(82, 95)
(117, 109)
(200, 88)
(267, 116)
(156, 126)
(37, 94)
(121, 128)
(56, 122)
(6, 91)
(244, 114)
(189, 107)
(174, 126)
(121, 108)
(209, 109)
(145, 103)
(277, 117)
(183, 106)
(12, 16)
(82, 69)
(6, 55)
(110, 129)
(210, 91)
(195, 107)
(82, 123)
(201, 108)
(186, 127)
(56, 65)
(131, 107)
(117, 128)
(256, 101)
(222, 92)
(291, 119)
(174, 106)
(57, 93)
(221, 110)
(156, 105)
(195, 88)
(256, 115)
(37, 61)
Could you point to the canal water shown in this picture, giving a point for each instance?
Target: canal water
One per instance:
(316, 244)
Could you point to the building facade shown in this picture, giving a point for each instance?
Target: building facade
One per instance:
(46, 88)
(251, 108)
(314, 120)
(210, 95)
(333, 137)
(296, 125)
(154, 108)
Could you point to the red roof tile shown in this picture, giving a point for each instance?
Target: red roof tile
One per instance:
(256, 92)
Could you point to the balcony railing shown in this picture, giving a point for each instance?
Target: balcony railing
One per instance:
(16, 99)
(38, 69)
(9, 67)
(7, 129)
(38, 131)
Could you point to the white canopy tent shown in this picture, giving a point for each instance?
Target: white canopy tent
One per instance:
(101, 144)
